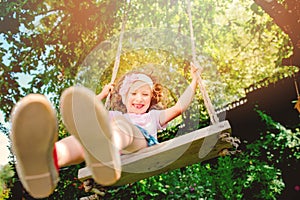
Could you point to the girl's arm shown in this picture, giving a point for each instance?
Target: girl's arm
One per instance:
(105, 91)
(183, 102)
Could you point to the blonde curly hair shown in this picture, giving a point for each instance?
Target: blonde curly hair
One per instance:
(158, 101)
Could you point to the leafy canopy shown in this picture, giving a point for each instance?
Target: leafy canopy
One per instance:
(43, 43)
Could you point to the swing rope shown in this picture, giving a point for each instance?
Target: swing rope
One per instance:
(88, 184)
(297, 104)
(118, 55)
(207, 102)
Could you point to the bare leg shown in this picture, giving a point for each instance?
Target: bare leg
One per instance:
(69, 151)
(126, 136)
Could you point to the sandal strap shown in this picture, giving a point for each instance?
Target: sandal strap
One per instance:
(39, 176)
(109, 163)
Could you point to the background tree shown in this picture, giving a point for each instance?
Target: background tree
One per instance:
(286, 14)
(48, 40)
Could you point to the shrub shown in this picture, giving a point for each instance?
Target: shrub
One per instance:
(6, 173)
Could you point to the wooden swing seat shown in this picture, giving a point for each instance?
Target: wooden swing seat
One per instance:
(176, 153)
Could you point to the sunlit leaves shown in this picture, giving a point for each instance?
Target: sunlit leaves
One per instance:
(48, 40)
(52, 39)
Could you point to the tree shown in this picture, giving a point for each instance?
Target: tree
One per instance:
(48, 40)
(286, 14)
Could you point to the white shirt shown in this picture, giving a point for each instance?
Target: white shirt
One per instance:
(148, 121)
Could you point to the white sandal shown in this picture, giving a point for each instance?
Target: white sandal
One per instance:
(86, 118)
(34, 132)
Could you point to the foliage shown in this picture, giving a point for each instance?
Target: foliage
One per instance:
(285, 14)
(6, 173)
(69, 187)
(45, 42)
(280, 145)
(4, 130)
(240, 177)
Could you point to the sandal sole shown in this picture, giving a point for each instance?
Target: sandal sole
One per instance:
(87, 119)
(34, 132)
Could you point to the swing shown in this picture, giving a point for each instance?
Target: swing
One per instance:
(194, 147)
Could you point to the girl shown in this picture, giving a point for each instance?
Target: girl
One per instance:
(98, 135)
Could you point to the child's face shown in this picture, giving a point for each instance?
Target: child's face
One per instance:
(138, 98)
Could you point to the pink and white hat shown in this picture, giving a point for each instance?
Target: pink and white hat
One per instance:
(131, 79)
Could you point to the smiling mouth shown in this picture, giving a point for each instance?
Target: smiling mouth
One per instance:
(138, 106)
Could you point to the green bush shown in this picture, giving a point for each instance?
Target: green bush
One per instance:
(6, 173)
(238, 177)
(69, 187)
(279, 144)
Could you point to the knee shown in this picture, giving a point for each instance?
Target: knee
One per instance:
(119, 119)
(121, 123)
(69, 151)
